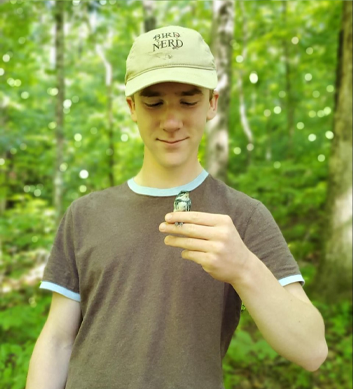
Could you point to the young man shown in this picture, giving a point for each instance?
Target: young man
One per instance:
(148, 298)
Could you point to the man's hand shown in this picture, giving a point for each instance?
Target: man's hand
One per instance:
(211, 240)
(293, 327)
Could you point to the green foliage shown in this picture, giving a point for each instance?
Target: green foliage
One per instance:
(296, 198)
(283, 170)
(27, 231)
(251, 363)
(20, 326)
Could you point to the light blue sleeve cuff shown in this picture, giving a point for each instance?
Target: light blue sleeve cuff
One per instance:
(291, 279)
(61, 290)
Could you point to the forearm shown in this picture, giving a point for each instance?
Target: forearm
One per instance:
(292, 327)
(49, 363)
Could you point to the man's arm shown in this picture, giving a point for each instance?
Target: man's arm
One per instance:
(49, 363)
(285, 316)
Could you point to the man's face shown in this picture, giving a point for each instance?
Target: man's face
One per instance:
(172, 112)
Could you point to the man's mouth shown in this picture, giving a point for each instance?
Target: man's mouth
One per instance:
(172, 142)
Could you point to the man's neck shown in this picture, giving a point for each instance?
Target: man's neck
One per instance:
(165, 179)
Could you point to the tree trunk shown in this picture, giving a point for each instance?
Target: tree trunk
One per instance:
(110, 125)
(217, 129)
(334, 278)
(91, 22)
(4, 169)
(4, 179)
(242, 107)
(149, 15)
(60, 84)
(290, 106)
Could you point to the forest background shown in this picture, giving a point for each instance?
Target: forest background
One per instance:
(284, 137)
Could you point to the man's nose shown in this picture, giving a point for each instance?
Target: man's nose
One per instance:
(171, 120)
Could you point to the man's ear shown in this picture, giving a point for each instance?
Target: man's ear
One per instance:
(212, 110)
(132, 107)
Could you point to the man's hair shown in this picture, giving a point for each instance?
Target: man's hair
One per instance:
(210, 90)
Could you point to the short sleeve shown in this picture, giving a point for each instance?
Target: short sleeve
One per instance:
(264, 238)
(60, 273)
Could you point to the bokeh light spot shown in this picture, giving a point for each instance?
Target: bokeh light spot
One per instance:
(329, 134)
(84, 174)
(237, 150)
(67, 103)
(327, 110)
(78, 137)
(53, 91)
(253, 78)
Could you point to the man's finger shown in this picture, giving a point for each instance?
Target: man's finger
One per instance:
(201, 218)
(190, 244)
(191, 230)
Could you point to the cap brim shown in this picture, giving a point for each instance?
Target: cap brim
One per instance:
(199, 77)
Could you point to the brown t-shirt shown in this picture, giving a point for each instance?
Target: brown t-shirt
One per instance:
(151, 319)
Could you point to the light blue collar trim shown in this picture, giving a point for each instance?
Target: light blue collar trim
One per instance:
(145, 190)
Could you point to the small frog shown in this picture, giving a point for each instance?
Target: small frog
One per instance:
(182, 203)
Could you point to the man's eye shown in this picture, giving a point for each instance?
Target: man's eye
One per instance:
(184, 102)
(157, 104)
(152, 105)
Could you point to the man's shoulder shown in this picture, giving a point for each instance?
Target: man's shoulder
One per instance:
(101, 197)
(229, 194)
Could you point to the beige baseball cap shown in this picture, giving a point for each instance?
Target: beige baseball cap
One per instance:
(172, 53)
